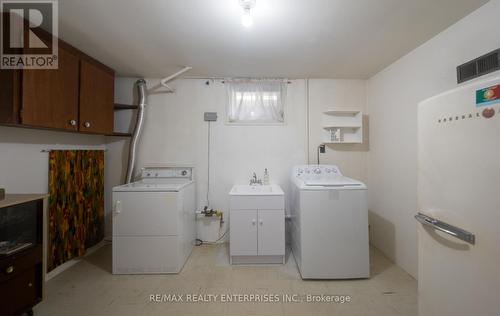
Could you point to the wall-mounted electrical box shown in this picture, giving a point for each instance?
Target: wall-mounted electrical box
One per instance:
(210, 116)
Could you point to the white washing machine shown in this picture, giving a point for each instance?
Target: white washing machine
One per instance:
(329, 224)
(154, 224)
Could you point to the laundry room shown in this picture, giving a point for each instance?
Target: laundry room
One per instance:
(249, 157)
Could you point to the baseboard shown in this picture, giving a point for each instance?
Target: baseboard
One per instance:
(278, 259)
(68, 264)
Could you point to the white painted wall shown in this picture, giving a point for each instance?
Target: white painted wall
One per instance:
(393, 95)
(176, 133)
(23, 167)
(338, 94)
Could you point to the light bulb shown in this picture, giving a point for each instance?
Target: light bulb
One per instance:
(246, 18)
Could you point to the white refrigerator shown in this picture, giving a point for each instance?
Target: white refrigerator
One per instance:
(459, 201)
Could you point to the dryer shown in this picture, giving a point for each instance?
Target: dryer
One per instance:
(329, 223)
(154, 224)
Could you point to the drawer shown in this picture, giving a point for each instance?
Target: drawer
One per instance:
(20, 292)
(17, 263)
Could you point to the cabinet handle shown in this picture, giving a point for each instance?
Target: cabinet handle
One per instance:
(72, 122)
(261, 222)
(9, 269)
(30, 284)
(253, 221)
(86, 124)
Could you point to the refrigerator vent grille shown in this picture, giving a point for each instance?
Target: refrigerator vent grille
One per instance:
(479, 66)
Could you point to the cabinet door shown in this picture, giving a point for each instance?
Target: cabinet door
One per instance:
(243, 233)
(271, 236)
(10, 83)
(96, 98)
(50, 96)
(19, 293)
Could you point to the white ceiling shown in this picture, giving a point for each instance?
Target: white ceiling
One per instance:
(289, 38)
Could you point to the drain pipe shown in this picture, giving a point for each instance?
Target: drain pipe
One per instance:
(141, 89)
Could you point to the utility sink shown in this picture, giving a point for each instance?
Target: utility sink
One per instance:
(248, 197)
(272, 189)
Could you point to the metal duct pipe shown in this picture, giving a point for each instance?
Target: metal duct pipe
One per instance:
(141, 89)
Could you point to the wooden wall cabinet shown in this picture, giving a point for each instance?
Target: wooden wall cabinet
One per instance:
(78, 96)
(96, 99)
(10, 105)
(49, 98)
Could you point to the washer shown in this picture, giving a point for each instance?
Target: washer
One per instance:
(154, 224)
(329, 223)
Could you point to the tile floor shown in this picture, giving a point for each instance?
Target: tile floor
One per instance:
(88, 288)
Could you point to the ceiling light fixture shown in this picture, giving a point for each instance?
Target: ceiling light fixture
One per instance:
(246, 18)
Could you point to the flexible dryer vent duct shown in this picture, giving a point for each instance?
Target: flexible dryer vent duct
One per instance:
(141, 89)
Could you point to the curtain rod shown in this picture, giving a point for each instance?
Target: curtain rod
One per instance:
(224, 79)
(56, 149)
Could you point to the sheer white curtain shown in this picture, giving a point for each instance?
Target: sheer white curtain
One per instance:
(256, 101)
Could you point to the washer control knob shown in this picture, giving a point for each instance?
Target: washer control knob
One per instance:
(184, 172)
(317, 171)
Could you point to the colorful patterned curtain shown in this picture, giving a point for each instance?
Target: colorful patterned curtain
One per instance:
(76, 203)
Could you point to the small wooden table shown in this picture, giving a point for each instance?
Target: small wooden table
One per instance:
(22, 273)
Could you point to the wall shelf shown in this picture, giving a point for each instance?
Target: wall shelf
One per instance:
(119, 107)
(342, 127)
(118, 134)
(342, 112)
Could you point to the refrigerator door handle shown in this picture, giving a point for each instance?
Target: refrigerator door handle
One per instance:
(446, 228)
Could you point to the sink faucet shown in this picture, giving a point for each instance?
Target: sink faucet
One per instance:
(254, 180)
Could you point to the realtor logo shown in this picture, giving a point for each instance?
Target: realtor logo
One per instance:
(29, 31)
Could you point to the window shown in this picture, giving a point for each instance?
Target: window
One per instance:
(256, 101)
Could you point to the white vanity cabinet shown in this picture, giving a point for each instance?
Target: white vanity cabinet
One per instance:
(271, 232)
(257, 225)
